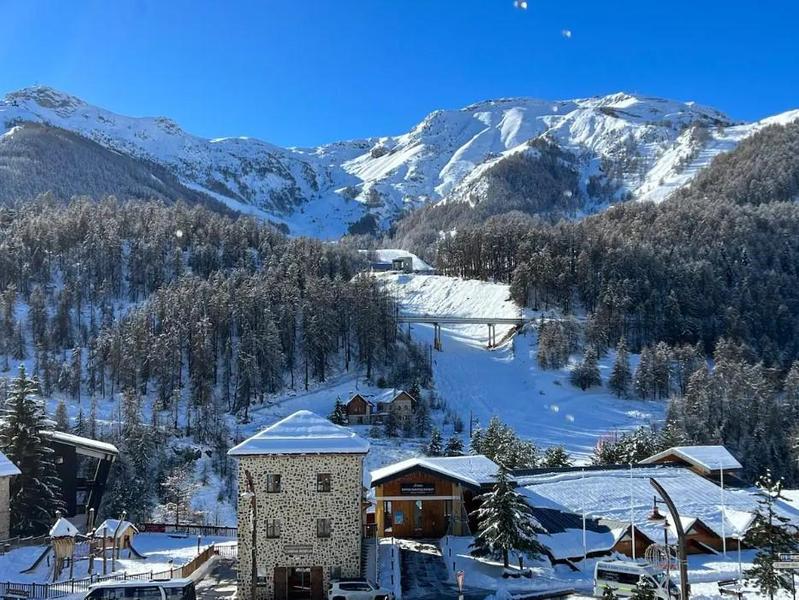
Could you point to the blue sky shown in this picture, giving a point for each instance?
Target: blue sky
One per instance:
(303, 72)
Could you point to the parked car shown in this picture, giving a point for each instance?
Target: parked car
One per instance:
(172, 589)
(357, 589)
(624, 577)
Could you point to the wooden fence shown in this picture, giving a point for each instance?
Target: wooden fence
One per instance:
(58, 589)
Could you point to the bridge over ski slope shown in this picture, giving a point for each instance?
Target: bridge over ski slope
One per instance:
(540, 404)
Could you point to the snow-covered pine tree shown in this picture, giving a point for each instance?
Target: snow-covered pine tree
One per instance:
(61, 417)
(339, 414)
(454, 446)
(421, 417)
(608, 593)
(556, 457)
(621, 376)
(586, 374)
(644, 378)
(390, 424)
(505, 523)
(36, 493)
(643, 591)
(771, 533)
(435, 446)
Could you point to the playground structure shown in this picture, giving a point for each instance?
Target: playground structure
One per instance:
(67, 545)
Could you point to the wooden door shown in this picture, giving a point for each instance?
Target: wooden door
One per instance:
(281, 583)
(317, 583)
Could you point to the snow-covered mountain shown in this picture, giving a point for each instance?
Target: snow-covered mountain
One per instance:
(620, 146)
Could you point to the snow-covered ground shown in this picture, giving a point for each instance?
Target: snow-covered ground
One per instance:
(506, 381)
(162, 551)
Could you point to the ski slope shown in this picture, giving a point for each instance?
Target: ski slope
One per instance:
(507, 382)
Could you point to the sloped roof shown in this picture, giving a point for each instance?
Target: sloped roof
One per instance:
(83, 445)
(303, 432)
(474, 470)
(109, 526)
(7, 468)
(706, 458)
(607, 494)
(63, 528)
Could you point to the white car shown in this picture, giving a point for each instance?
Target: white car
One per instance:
(357, 589)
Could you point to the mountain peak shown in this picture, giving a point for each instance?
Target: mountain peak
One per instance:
(46, 97)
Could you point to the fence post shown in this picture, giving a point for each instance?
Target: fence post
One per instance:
(72, 583)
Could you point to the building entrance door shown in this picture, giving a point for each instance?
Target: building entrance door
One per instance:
(299, 583)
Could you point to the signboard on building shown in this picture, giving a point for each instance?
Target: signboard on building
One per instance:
(418, 489)
(298, 549)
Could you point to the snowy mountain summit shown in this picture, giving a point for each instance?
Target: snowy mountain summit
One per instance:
(614, 147)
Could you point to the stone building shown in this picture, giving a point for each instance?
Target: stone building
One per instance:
(7, 471)
(397, 402)
(303, 478)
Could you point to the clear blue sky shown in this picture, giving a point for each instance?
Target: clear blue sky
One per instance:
(303, 72)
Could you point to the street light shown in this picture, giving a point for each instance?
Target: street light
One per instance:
(681, 553)
(657, 517)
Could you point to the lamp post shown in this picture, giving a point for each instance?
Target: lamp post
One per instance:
(681, 553)
(657, 517)
(250, 494)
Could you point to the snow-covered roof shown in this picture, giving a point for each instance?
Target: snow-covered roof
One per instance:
(63, 528)
(84, 445)
(7, 468)
(386, 396)
(303, 432)
(706, 458)
(474, 470)
(386, 255)
(109, 526)
(607, 493)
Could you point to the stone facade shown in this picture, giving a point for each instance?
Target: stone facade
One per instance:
(297, 506)
(5, 511)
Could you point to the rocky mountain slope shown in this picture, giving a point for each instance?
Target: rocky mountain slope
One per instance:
(610, 148)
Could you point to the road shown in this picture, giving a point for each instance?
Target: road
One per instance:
(220, 583)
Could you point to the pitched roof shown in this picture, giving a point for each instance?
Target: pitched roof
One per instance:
(7, 468)
(474, 470)
(85, 446)
(109, 526)
(607, 494)
(706, 458)
(63, 528)
(303, 432)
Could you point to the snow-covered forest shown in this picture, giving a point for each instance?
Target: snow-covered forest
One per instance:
(155, 323)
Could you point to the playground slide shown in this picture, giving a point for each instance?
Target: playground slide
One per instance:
(39, 560)
(134, 552)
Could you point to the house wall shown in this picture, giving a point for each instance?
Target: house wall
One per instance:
(442, 497)
(297, 506)
(5, 511)
(358, 410)
(402, 407)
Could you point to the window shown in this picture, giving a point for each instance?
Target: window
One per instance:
(272, 483)
(323, 482)
(273, 528)
(335, 572)
(323, 528)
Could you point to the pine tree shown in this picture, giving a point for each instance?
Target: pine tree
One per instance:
(771, 533)
(61, 417)
(421, 418)
(586, 374)
(556, 457)
(643, 591)
(390, 424)
(434, 448)
(506, 523)
(454, 446)
(608, 593)
(36, 492)
(621, 377)
(339, 414)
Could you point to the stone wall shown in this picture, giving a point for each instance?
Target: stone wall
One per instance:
(297, 506)
(5, 512)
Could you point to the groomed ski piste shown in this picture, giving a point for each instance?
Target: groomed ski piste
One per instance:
(541, 405)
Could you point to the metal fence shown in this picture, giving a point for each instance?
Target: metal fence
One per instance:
(214, 530)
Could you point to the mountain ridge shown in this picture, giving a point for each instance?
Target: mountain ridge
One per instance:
(620, 146)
